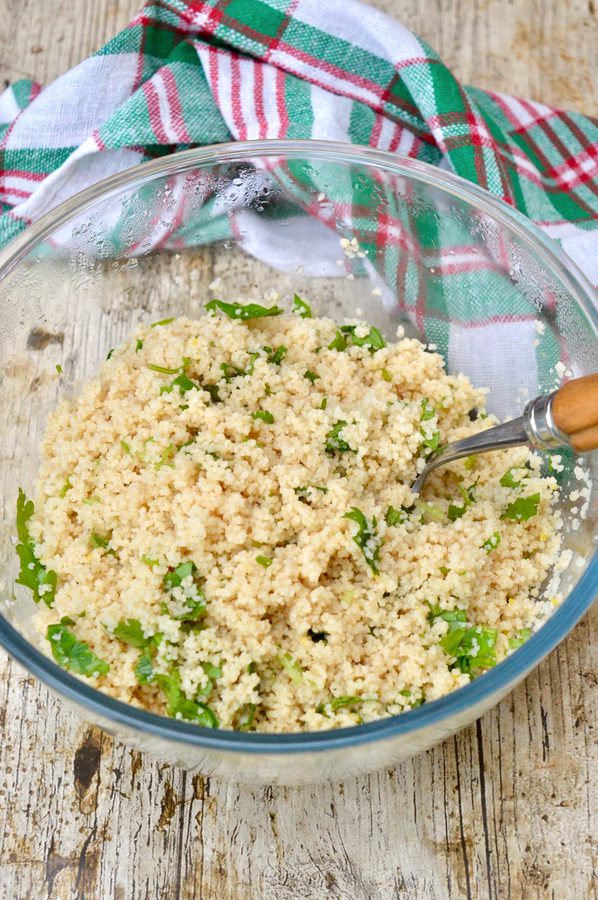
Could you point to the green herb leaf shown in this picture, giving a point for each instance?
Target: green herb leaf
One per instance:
(130, 632)
(492, 542)
(59, 368)
(167, 457)
(335, 443)
(163, 322)
(195, 602)
(395, 516)
(346, 335)
(264, 415)
(243, 719)
(292, 668)
(184, 384)
(428, 411)
(432, 443)
(33, 574)
(301, 308)
(144, 670)
(522, 509)
(373, 340)
(431, 511)
(453, 616)
(65, 487)
(386, 376)
(300, 491)
(72, 654)
(138, 345)
(240, 311)
(163, 370)
(110, 352)
(178, 706)
(520, 638)
(324, 403)
(336, 703)
(264, 561)
(508, 480)
(230, 371)
(472, 647)
(311, 376)
(275, 357)
(339, 342)
(455, 512)
(98, 540)
(212, 390)
(366, 538)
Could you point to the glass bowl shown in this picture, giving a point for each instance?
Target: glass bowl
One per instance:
(433, 253)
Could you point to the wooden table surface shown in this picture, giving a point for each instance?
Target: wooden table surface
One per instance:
(502, 810)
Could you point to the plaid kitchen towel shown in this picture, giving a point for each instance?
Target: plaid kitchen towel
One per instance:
(192, 72)
(205, 71)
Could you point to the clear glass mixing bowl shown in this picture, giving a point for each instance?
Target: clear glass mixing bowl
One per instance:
(435, 254)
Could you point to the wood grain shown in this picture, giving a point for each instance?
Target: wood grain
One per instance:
(502, 810)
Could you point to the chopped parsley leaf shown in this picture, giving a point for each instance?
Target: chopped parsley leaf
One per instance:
(264, 415)
(428, 411)
(275, 357)
(178, 706)
(163, 370)
(138, 345)
(346, 334)
(519, 638)
(386, 376)
(301, 491)
(522, 509)
(366, 538)
(125, 448)
(264, 561)
(432, 443)
(65, 487)
(311, 376)
(33, 574)
(243, 719)
(163, 322)
(395, 516)
(472, 646)
(324, 403)
(182, 382)
(292, 668)
(230, 371)
(72, 654)
(130, 632)
(508, 480)
(335, 443)
(336, 703)
(59, 368)
(492, 542)
(144, 669)
(195, 600)
(301, 308)
(110, 352)
(240, 311)
(212, 390)
(98, 540)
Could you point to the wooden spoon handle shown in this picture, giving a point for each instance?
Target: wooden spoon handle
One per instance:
(575, 412)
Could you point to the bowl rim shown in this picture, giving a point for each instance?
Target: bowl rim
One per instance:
(486, 689)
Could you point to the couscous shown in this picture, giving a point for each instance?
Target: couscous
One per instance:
(223, 528)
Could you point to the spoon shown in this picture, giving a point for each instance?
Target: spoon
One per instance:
(566, 418)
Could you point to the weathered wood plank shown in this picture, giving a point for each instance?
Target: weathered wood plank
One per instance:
(502, 810)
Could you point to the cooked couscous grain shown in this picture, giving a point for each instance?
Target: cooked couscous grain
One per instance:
(224, 529)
